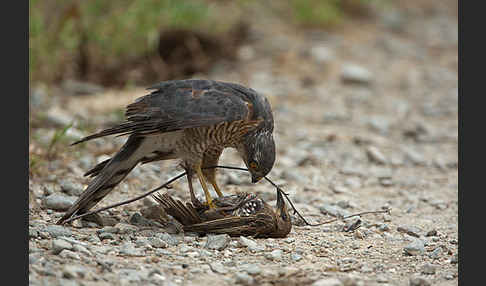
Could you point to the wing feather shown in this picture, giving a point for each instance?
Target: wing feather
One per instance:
(177, 105)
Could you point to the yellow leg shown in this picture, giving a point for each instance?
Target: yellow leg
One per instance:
(216, 187)
(200, 176)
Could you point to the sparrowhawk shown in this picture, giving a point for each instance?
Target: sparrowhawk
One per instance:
(191, 120)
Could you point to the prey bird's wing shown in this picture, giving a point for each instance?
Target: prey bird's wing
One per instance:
(185, 214)
(236, 225)
(177, 105)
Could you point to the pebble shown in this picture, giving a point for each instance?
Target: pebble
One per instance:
(252, 269)
(218, 268)
(296, 257)
(275, 255)
(129, 250)
(428, 268)
(328, 282)
(108, 229)
(33, 233)
(252, 245)
(416, 247)
(432, 232)
(454, 259)
(375, 155)
(333, 210)
(352, 73)
(410, 230)
(171, 240)
(57, 202)
(71, 187)
(414, 156)
(65, 253)
(73, 271)
(244, 278)
(217, 242)
(106, 235)
(321, 54)
(157, 242)
(138, 220)
(418, 281)
(59, 245)
(379, 124)
(124, 228)
(81, 249)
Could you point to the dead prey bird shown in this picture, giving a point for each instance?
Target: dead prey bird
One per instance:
(236, 215)
(190, 120)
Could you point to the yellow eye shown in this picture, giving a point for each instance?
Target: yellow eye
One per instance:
(253, 165)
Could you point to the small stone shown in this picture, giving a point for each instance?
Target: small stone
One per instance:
(170, 239)
(275, 255)
(57, 202)
(327, 282)
(428, 268)
(244, 278)
(218, 242)
(410, 230)
(138, 220)
(70, 187)
(124, 228)
(351, 73)
(157, 242)
(381, 279)
(33, 233)
(379, 124)
(335, 211)
(383, 227)
(321, 54)
(73, 271)
(375, 155)
(454, 259)
(65, 253)
(108, 229)
(295, 257)
(289, 240)
(432, 232)
(252, 245)
(252, 269)
(218, 268)
(81, 249)
(339, 189)
(129, 250)
(418, 281)
(106, 235)
(415, 248)
(435, 254)
(387, 218)
(414, 156)
(59, 245)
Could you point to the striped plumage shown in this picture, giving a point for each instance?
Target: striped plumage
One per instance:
(190, 120)
(241, 214)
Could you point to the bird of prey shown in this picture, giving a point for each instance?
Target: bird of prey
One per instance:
(242, 214)
(191, 120)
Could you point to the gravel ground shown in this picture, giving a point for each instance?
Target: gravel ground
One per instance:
(365, 119)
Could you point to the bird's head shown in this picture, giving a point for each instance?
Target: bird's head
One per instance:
(284, 225)
(258, 153)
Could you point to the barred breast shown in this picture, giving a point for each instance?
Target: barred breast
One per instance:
(198, 142)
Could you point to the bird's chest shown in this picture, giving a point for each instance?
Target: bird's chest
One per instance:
(212, 139)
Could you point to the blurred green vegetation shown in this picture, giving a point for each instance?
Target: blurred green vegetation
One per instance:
(64, 33)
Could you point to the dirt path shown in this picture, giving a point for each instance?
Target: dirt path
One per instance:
(366, 118)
